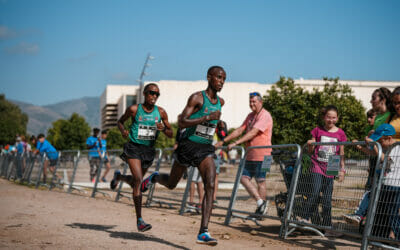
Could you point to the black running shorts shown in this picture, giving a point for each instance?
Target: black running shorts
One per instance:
(141, 152)
(191, 153)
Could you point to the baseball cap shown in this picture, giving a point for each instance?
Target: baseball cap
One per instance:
(383, 130)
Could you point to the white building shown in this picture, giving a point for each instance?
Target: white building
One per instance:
(174, 95)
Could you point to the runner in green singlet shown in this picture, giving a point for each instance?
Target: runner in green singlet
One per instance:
(199, 117)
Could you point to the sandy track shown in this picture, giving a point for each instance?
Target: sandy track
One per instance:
(41, 219)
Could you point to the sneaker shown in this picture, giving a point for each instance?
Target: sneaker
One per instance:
(262, 209)
(143, 226)
(352, 219)
(103, 179)
(93, 180)
(147, 182)
(205, 238)
(114, 181)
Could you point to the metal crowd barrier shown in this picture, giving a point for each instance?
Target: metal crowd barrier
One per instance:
(112, 159)
(63, 170)
(128, 194)
(81, 178)
(226, 180)
(320, 204)
(275, 184)
(382, 227)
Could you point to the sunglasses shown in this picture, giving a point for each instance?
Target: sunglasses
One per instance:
(254, 94)
(151, 92)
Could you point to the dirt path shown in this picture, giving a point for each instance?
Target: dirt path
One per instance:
(41, 219)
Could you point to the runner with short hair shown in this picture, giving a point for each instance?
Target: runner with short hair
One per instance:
(44, 146)
(199, 117)
(148, 120)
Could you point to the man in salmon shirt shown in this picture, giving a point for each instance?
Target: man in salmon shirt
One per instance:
(258, 132)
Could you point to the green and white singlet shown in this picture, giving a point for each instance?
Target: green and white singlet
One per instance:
(204, 132)
(144, 128)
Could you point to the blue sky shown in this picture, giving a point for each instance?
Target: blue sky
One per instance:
(52, 51)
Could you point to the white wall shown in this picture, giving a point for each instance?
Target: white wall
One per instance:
(174, 96)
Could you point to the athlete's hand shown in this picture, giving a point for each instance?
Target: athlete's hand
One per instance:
(214, 115)
(125, 134)
(160, 126)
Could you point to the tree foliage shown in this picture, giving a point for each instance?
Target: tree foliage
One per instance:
(12, 121)
(69, 134)
(295, 111)
(115, 139)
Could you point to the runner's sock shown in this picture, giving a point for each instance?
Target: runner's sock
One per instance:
(203, 230)
(259, 202)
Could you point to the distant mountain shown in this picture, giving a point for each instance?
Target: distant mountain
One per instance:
(41, 117)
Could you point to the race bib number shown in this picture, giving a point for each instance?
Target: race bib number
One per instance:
(205, 130)
(333, 165)
(146, 132)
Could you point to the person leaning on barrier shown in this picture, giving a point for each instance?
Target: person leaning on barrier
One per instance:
(360, 213)
(257, 129)
(93, 143)
(320, 181)
(44, 146)
(387, 217)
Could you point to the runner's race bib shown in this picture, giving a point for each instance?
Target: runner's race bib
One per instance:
(205, 130)
(146, 132)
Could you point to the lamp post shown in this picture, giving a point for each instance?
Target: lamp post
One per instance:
(140, 80)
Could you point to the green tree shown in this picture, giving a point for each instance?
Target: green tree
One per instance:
(12, 121)
(295, 111)
(69, 134)
(115, 139)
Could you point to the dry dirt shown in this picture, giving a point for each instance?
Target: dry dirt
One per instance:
(42, 219)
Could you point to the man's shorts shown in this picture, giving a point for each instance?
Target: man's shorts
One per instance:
(105, 160)
(191, 153)
(94, 161)
(253, 169)
(196, 176)
(53, 162)
(141, 152)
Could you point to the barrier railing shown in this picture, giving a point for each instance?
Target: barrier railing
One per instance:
(110, 161)
(320, 203)
(382, 227)
(275, 185)
(226, 181)
(126, 171)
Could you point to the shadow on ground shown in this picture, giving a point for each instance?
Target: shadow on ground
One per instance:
(124, 235)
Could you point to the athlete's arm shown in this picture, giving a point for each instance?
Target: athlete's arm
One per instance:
(164, 125)
(193, 105)
(130, 112)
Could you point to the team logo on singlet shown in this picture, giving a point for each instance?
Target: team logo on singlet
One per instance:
(156, 118)
(206, 110)
(140, 118)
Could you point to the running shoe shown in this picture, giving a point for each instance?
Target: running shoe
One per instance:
(103, 179)
(352, 219)
(143, 226)
(261, 210)
(205, 238)
(114, 181)
(147, 182)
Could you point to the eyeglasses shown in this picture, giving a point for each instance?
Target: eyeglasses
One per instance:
(151, 92)
(254, 94)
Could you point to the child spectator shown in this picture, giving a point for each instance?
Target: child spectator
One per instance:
(321, 182)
